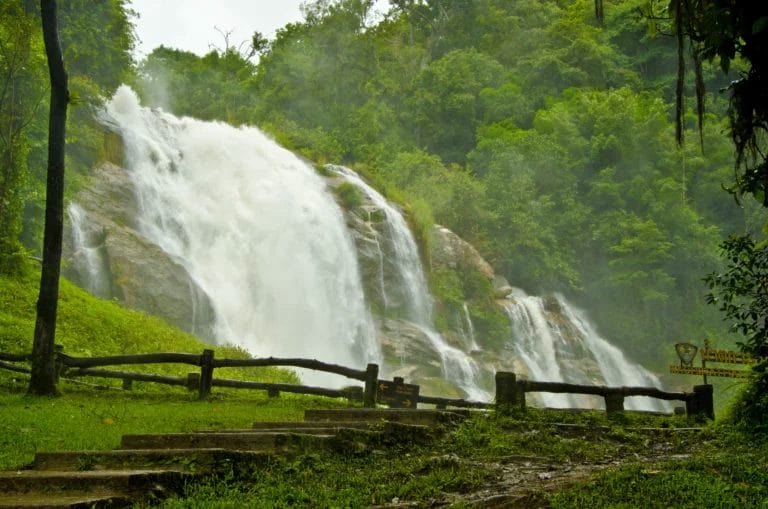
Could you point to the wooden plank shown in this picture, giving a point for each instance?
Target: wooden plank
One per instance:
(728, 373)
(297, 363)
(128, 375)
(146, 358)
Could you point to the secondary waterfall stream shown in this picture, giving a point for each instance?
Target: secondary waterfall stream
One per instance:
(557, 344)
(458, 366)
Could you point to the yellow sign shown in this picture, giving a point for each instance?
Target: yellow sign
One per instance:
(731, 373)
(728, 356)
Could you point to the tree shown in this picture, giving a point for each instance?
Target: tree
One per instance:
(21, 91)
(43, 379)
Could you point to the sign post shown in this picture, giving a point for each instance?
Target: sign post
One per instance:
(397, 394)
(687, 352)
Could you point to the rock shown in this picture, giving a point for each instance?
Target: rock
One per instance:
(113, 260)
(406, 346)
(501, 287)
(450, 251)
(384, 290)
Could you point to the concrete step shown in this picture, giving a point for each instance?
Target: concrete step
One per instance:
(401, 415)
(66, 501)
(243, 441)
(145, 482)
(327, 430)
(191, 460)
(300, 426)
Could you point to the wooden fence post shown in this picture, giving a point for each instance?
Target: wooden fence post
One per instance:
(509, 391)
(206, 374)
(371, 382)
(701, 402)
(614, 402)
(193, 381)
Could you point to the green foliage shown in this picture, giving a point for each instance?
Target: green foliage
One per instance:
(22, 72)
(749, 409)
(740, 291)
(217, 86)
(726, 481)
(349, 194)
(453, 290)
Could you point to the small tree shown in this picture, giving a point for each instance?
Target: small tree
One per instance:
(43, 380)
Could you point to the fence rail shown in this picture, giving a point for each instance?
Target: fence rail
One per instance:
(509, 390)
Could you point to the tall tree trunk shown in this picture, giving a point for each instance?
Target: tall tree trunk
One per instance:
(43, 381)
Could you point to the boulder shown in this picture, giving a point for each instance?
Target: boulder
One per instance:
(450, 251)
(105, 254)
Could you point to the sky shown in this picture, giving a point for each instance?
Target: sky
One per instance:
(191, 24)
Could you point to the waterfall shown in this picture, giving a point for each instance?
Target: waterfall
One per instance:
(470, 339)
(556, 343)
(88, 258)
(458, 367)
(255, 228)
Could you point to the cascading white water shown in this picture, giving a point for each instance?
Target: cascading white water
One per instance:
(471, 340)
(556, 347)
(458, 367)
(255, 228)
(87, 256)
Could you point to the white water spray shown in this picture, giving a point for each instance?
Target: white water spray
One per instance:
(458, 367)
(470, 332)
(87, 258)
(255, 228)
(557, 348)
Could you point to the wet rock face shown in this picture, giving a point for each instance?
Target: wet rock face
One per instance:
(448, 250)
(113, 260)
(375, 248)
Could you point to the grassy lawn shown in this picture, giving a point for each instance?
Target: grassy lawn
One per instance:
(87, 418)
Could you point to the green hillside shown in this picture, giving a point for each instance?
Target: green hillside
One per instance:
(89, 327)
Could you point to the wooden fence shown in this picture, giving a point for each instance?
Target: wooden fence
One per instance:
(70, 367)
(510, 392)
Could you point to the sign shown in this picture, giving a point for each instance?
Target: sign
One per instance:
(396, 394)
(687, 352)
(727, 356)
(730, 373)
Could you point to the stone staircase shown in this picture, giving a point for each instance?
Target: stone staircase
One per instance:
(150, 467)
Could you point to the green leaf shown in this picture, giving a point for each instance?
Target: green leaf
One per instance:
(759, 25)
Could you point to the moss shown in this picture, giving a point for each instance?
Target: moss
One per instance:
(349, 195)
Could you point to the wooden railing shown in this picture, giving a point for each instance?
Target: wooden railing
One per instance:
(70, 367)
(510, 392)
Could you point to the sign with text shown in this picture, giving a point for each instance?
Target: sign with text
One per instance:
(396, 394)
(730, 373)
(687, 352)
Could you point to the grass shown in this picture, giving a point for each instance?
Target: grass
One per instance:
(724, 480)
(93, 419)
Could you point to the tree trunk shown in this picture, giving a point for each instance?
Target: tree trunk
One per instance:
(43, 381)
